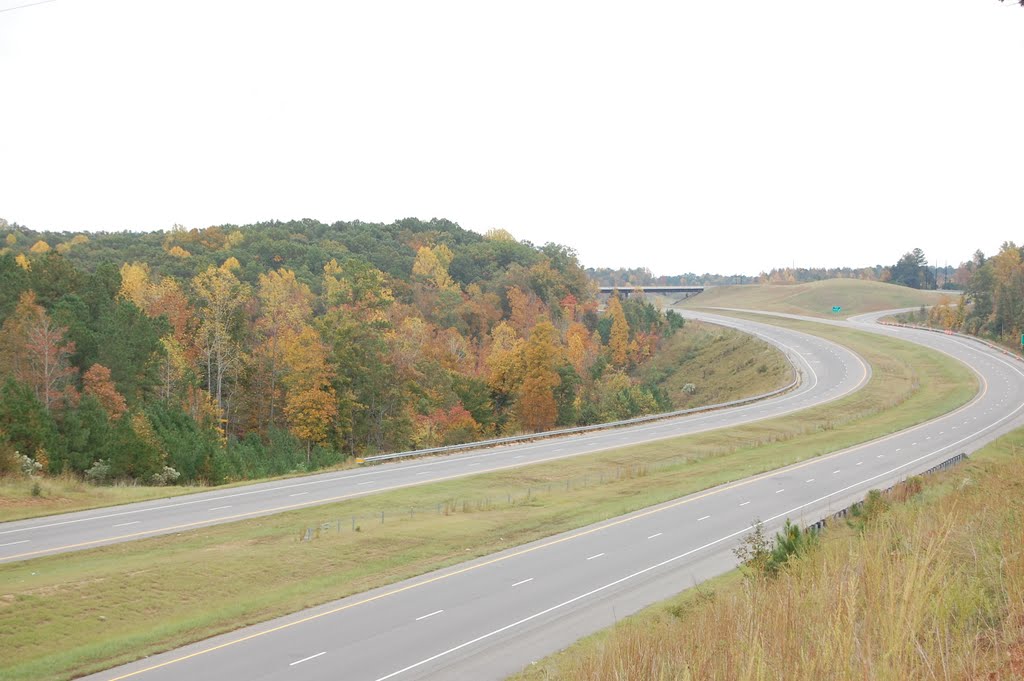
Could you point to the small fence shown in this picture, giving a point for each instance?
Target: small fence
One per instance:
(843, 513)
(502, 499)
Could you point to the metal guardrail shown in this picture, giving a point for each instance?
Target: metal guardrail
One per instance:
(480, 444)
(842, 513)
(965, 336)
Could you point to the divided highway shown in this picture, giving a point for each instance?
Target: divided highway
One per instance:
(490, 617)
(829, 371)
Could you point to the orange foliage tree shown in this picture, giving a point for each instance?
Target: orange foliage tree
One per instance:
(36, 352)
(96, 381)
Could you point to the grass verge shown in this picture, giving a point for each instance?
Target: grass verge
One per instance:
(740, 367)
(932, 588)
(101, 604)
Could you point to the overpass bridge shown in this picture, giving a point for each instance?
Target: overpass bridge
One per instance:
(624, 291)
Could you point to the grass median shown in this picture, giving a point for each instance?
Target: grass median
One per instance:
(110, 605)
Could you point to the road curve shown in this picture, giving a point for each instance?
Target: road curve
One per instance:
(490, 617)
(829, 372)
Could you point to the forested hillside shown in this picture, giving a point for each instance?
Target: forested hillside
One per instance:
(238, 352)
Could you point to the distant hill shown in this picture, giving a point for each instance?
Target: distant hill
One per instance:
(817, 298)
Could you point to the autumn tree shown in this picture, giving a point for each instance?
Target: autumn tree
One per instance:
(37, 354)
(506, 364)
(310, 406)
(221, 296)
(372, 404)
(537, 407)
(618, 341)
(580, 347)
(97, 383)
(285, 308)
(431, 266)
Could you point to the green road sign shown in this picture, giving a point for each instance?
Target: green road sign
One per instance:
(836, 308)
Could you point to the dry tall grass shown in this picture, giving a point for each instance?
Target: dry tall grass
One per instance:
(928, 589)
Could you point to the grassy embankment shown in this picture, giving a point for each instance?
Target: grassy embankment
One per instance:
(932, 588)
(817, 298)
(101, 604)
(741, 368)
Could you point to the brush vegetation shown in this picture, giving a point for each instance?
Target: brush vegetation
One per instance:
(919, 586)
(101, 604)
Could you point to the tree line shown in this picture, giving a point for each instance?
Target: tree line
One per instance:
(237, 352)
(993, 302)
(911, 270)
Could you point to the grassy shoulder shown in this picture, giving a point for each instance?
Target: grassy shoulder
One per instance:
(722, 364)
(929, 588)
(102, 604)
(817, 298)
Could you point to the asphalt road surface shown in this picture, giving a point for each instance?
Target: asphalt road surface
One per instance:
(829, 371)
(491, 617)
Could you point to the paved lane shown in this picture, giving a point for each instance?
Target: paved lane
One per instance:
(829, 371)
(490, 617)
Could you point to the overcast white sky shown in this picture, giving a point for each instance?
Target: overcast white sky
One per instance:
(706, 135)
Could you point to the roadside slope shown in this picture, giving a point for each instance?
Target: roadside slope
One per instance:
(919, 585)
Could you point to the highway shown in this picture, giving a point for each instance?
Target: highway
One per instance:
(829, 372)
(491, 617)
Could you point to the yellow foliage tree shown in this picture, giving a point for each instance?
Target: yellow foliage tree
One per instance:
(618, 341)
(431, 266)
(40, 247)
(310, 407)
(537, 408)
(179, 252)
(135, 283)
(499, 234)
(580, 347)
(505, 362)
(23, 262)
